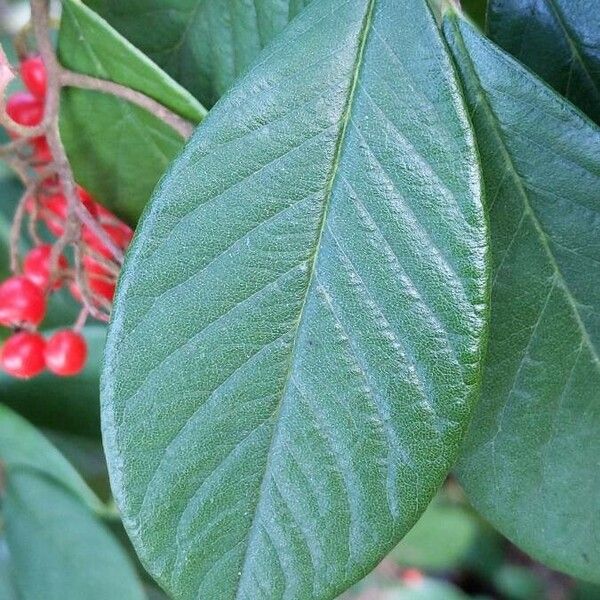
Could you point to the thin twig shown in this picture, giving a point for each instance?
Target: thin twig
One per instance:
(81, 320)
(79, 80)
(77, 214)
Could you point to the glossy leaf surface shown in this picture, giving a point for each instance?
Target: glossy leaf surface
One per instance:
(531, 459)
(118, 151)
(558, 39)
(59, 550)
(203, 45)
(296, 339)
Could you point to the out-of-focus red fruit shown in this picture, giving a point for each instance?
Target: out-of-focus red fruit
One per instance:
(101, 282)
(120, 234)
(66, 353)
(33, 74)
(22, 355)
(41, 150)
(25, 109)
(55, 210)
(21, 302)
(412, 577)
(36, 266)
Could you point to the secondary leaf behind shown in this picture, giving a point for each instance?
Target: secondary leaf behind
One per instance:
(204, 45)
(117, 150)
(59, 549)
(530, 463)
(558, 39)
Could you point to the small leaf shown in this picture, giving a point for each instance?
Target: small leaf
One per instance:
(68, 405)
(59, 549)
(558, 39)
(205, 46)
(118, 151)
(296, 340)
(7, 584)
(530, 463)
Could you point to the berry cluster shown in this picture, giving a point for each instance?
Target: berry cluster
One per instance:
(90, 272)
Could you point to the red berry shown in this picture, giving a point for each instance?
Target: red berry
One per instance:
(55, 210)
(100, 279)
(54, 213)
(36, 266)
(88, 201)
(105, 215)
(120, 234)
(25, 109)
(21, 302)
(33, 74)
(412, 577)
(66, 353)
(41, 150)
(101, 282)
(23, 355)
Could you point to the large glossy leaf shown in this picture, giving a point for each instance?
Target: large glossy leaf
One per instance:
(68, 404)
(117, 150)
(558, 39)
(59, 549)
(204, 45)
(531, 458)
(296, 340)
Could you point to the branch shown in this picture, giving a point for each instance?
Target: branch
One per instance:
(77, 212)
(85, 82)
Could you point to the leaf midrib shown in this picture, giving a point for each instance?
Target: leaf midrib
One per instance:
(337, 157)
(543, 236)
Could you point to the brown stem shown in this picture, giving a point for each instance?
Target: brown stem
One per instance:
(77, 213)
(86, 82)
(81, 320)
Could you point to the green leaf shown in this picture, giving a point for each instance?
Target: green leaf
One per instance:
(118, 151)
(476, 9)
(530, 464)
(10, 192)
(296, 339)
(441, 539)
(558, 39)
(87, 456)
(59, 549)
(64, 404)
(23, 448)
(205, 46)
(7, 585)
